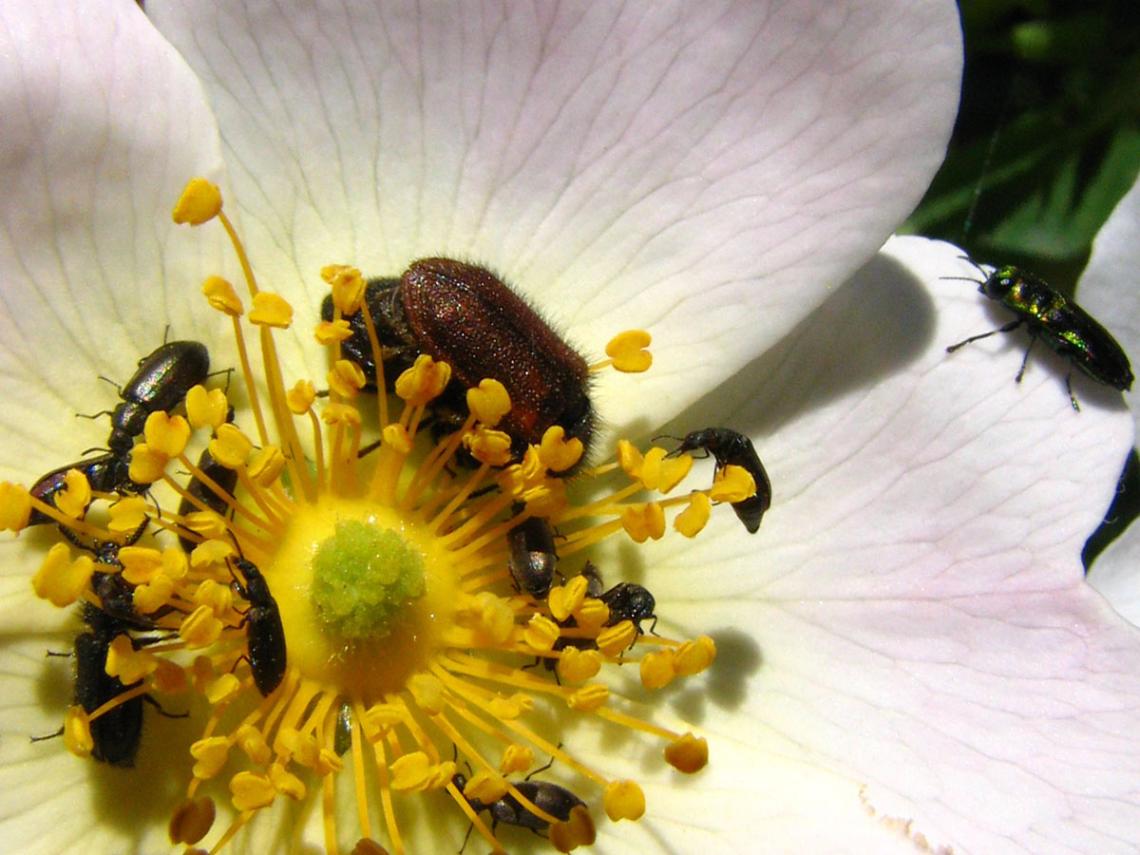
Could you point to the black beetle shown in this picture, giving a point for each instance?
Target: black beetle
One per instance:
(1058, 321)
(551, 798)
(629, 601)
(532, 559)
(224, 477)
(466, 316)
(265, 634)
(730, 448)
(116, 734)
(160, 382)
(107, 473)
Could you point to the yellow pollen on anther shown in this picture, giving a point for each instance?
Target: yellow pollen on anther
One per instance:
(206, 407)
(147, 464)
(691, 521)
(347, 287)
(488, 401)
(300, 398)
(15, 506)
(60, 580)
(271, 310)
(733, 484)
(558, 453)
(624, 800)
(126, 515)
(332, 332)
(221, 296)
(230, 447)
(77, 732)
(657, 669)
(629, 353)
(199, 203)
(166, 434)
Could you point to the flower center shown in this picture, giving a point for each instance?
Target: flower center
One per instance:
(379, 607)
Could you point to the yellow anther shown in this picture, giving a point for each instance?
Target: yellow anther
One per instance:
(346, 378)
(222, 689)
(428, 692)
(558, 453)
(251, 791)
(332, 332)
(337, 413)
(424, 381)
(170, 678)
(494, 618)
(301, 748)
(15, 506)
(126, 515)
(576, 666)
(642, 522)
(211, 552)
(206, 407)
(486, 786)
(411, 772)
(140, 563)
(192, 820)
(489, 401)
(516, 758)
(441, 775)
(74, 498)
(175, 563)
(592, 614)
(694, 518)
(328, 763)
(624, 800)
(128, 664)
(510, 708)
(151, 596)
(300, 398)
(381, 717)
(732, 484)
(266, 465)
(77, 732)
(271, 310)
(564, 600)
(541, 633)
(576, 831)
(347, 287)
(61, 580)
(687, 753)
(695, 656)
(201, 628)
(217, 597)
(614, 639)
(630, 458)
(628, 351)
(492, 447)
(166, 434)
(222, 297)
(657, 669)
(210, 755)
(230, 447)
(286, 783)
(588, 698)
(672, 469)
(397, 438)
(200, 202)
(252, 742)
(147, 464)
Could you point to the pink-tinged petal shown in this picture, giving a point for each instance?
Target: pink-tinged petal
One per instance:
(1108, 290)
(103, 123)
(54, 802)
(912, 615)
(707, 171)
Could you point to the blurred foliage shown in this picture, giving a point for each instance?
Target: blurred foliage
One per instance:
(1046, 143)
(1048, 134)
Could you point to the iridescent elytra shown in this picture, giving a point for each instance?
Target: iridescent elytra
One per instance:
(1057, 320)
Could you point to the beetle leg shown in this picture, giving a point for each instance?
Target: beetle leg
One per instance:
(46, 736)
(1010, 327)
(1069, 387)
(161, 711)
(1025, 359)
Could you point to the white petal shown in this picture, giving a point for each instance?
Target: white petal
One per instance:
(103, 124)
(706, 171)
(911, 615)
(1108, 291)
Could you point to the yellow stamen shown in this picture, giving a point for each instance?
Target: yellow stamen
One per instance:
(199, 203)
